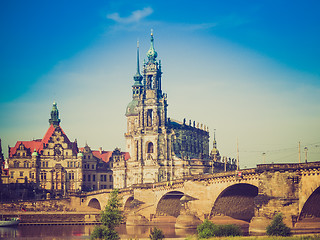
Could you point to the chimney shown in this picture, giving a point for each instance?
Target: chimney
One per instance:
(100, 150)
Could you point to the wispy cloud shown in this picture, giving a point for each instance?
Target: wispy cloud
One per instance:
(135, 16)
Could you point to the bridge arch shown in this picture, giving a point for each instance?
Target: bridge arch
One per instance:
(169, 204)
(236, 201)
(311, 208)
(94, 203)
(128, 202)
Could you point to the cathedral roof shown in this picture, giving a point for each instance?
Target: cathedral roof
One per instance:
(132, 108)
(152, 54)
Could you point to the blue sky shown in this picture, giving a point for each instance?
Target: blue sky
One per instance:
(249, 69)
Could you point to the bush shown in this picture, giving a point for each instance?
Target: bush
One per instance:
(277, 227)
(156, 234)
(228, 230)
(207, 229)
(103, 232)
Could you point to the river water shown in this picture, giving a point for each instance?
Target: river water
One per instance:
(57, 232)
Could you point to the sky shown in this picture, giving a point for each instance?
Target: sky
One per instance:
(248, 69)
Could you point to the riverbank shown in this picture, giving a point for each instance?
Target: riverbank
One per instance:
(56, 218)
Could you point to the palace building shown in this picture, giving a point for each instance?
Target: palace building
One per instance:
(54, 163)
(161, 149)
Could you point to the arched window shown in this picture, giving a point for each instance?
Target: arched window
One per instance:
(149, 117)
(150, 147)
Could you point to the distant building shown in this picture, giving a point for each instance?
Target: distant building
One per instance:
(161, 149)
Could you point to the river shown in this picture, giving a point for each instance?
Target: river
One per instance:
(57, 232)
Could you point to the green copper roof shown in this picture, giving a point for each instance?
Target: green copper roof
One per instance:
(137, 77)
(152, 54)
(34, 154)
(54, 120)
(132, 108)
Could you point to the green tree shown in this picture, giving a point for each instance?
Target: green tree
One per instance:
(277, 227)
(111, 217)
(156, 234)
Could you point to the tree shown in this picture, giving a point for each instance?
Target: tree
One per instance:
(277, 227)
(156, 234)
(111, 217)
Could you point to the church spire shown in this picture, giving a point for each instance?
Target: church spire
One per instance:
(152, 54)
(214, 139)
(54, 120)
(137, 78)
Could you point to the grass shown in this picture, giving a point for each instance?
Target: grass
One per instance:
(304, 237)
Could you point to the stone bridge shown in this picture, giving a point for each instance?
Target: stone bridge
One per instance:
(253, 195)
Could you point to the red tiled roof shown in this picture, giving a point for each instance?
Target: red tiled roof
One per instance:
(126, 155)
(103, 155)
(39, 143)
(35, 144)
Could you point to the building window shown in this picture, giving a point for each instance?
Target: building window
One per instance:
(84, 177)
(47, 164)
(101, 178)
(43, 176)
(92, 166)
(11, 174)
(93, 178)
(89, 178)
(150, 147)
(89, 157)
(149, 117)
(110, 178)
(105, 178)
(21, 174)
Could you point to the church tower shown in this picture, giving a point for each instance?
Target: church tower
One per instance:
(147, 137)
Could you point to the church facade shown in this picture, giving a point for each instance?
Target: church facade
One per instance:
(161, 149)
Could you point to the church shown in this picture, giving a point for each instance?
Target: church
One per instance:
(160, 148)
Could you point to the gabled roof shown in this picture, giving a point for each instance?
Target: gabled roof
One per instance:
(39, 143)
(35, 144)
(105, 155)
